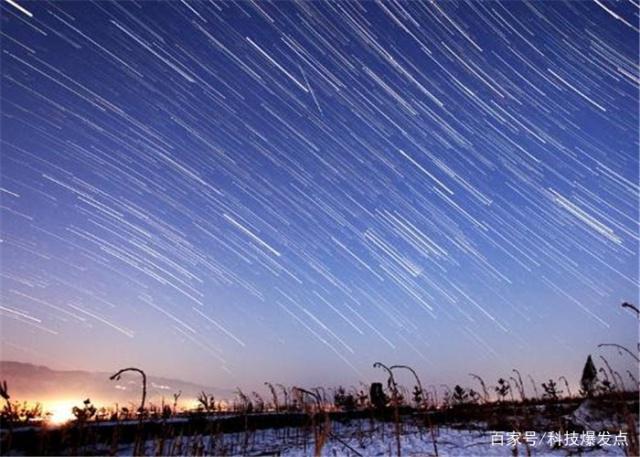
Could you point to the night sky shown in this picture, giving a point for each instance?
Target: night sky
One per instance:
(231, 193)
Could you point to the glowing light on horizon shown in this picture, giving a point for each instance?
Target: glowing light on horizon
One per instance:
(61, 412)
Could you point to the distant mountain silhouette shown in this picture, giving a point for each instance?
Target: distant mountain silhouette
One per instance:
(39, 383)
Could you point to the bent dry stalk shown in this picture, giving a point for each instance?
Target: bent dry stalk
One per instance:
(394, 400)
(484, 386)
(139, 442)
(521, 385)
(424, 401)
(566, 384)
(116, 377)
(274, 396)
(320, 437)
(633, 307)
(620, 347)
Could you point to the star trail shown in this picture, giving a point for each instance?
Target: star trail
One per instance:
(242, 191)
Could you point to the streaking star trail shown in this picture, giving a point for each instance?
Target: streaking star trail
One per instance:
(243, 191)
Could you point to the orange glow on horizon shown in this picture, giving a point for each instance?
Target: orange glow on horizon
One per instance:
(60, 411)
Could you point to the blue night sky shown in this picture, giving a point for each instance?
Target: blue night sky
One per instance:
(230, 193)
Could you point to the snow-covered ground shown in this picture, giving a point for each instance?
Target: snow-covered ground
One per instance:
(362, 437)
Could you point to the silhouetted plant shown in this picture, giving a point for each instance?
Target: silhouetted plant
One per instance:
(85, 412)
(322, 392)
(589, 378)
(259, 402)
(300, 392)
(297, 399)
(611, 372)
(417, 396)
(551, 390)
(29, 413)
(16, 412)
(176, 396)
(247, 406)
(502, 389)
(363, 399)
(103, 414)
(460, 395)
(618, 377)
(606, 387)
(343, 400)
(285, 393)
(206, 402)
